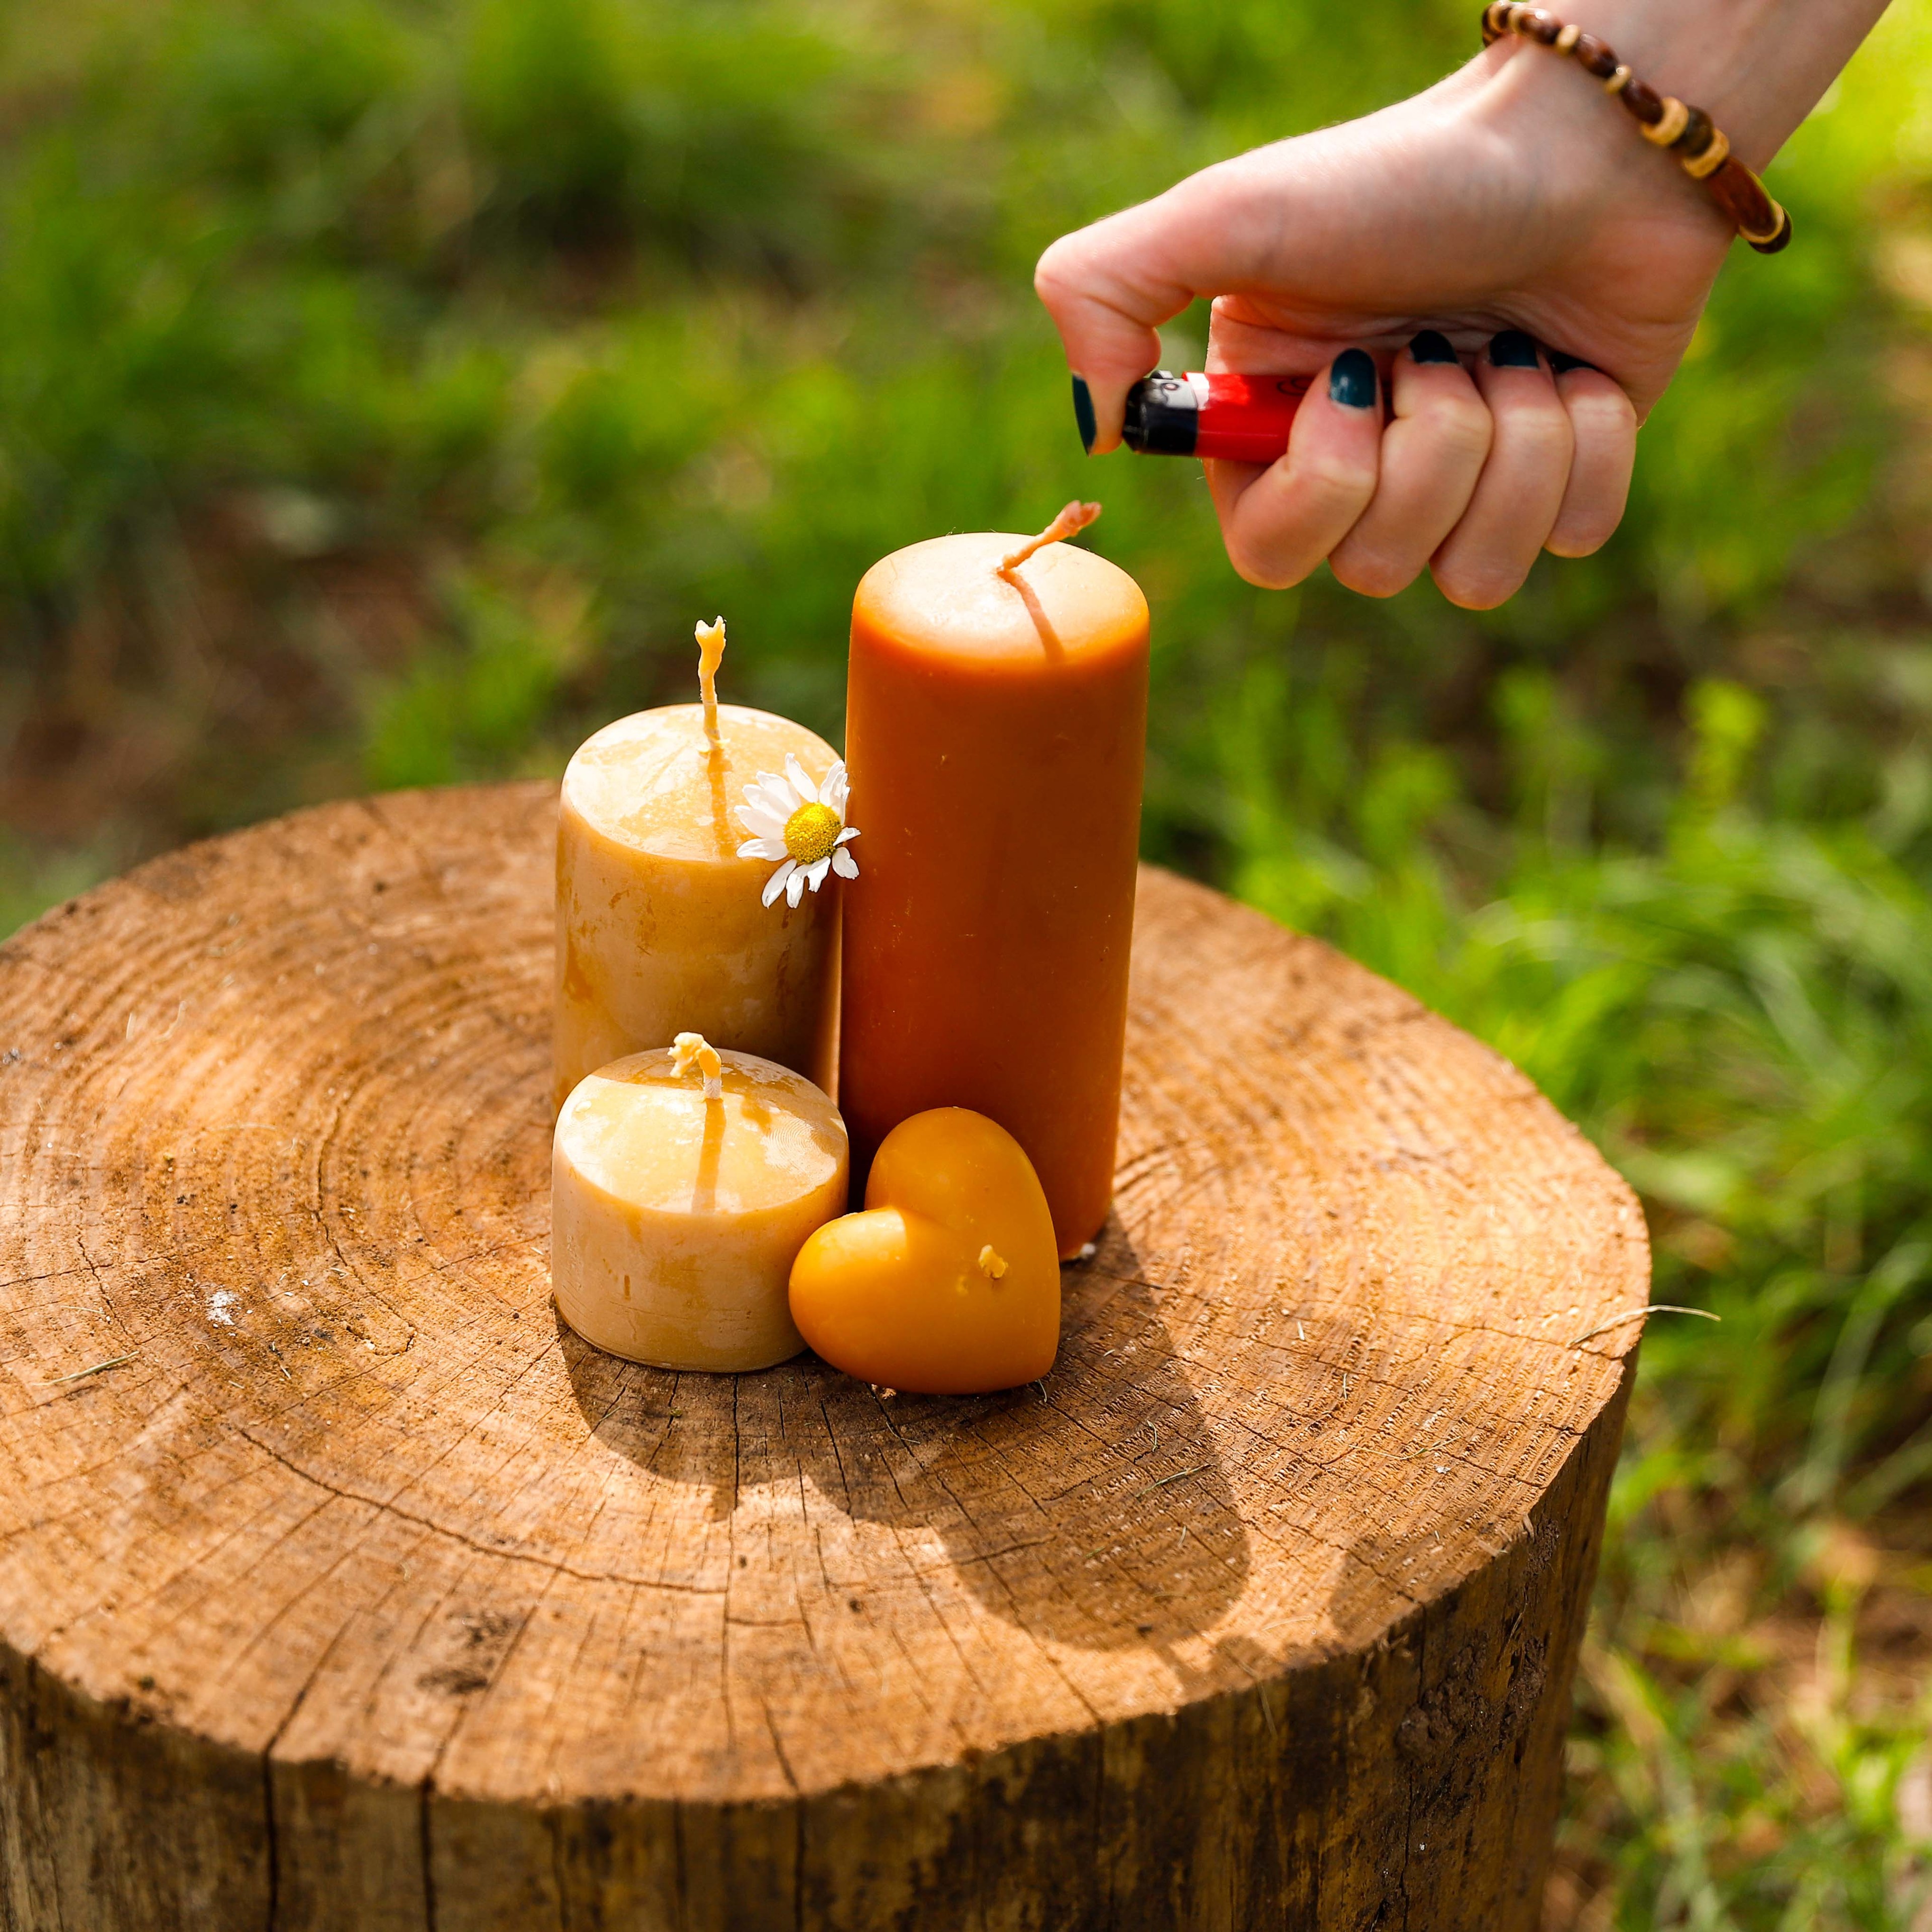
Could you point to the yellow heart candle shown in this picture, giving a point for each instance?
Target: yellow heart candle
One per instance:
(949, 1283)
(683, 1183)
(663, 919)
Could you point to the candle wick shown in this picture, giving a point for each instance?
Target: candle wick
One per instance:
(1070, 522)
(710, 654)
(693, 1049)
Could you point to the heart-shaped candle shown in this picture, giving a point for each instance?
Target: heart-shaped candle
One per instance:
(949, 1283)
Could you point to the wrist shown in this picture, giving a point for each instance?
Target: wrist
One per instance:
(1757, 68)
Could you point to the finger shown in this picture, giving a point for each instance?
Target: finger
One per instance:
(1279, 520)
(1110, 287)
(1431, 456)
(1484, 559)
(1603, 420)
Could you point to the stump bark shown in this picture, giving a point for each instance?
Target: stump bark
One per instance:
(358, 1594)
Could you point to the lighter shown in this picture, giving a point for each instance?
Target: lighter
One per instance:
(1245, 418)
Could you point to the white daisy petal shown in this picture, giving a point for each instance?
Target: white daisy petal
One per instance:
(815, 872)
(844, 864)
(776, 797)
(763, 848)
(761, 821)
(836, 787)
(775, 884)
(846, 837)
(795, 886)
(801, 781)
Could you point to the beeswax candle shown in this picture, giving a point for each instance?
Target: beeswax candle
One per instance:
(683, 1183)
(949, 1283)
(994, 733)
(661, 924)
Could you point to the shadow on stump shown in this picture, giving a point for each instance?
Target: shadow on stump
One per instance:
(1090, 1508)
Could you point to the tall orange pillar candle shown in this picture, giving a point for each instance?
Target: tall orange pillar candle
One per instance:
(995, 725)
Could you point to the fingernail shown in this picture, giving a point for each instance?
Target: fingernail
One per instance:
(1083, 414)
(1432, 345)
(1512, 350)
(1562, 364)
(1352, 379)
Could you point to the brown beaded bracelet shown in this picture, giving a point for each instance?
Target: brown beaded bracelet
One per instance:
(1698, 142)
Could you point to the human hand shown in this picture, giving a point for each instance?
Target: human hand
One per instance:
(1508, 207)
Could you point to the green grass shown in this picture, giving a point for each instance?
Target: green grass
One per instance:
(384, 389)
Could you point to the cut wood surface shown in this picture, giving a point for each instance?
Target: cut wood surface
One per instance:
(358, 1593)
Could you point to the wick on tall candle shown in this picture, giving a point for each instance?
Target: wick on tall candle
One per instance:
(1070, 522)
(693, 1049)
(710, 654)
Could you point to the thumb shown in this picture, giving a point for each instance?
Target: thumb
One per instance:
(1108, 288)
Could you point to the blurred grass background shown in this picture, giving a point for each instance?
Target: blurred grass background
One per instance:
(385, 385)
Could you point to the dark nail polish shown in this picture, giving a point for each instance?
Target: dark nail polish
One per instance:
(1432, 345)
(1512, 350)
(1352, 379)
(1083, 414)
(1562, 364)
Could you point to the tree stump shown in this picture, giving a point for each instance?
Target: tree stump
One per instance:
(358, 1593)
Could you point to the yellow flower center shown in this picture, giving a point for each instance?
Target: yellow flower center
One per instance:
(811, 832)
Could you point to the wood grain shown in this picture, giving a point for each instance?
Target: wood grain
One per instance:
(364, 1596)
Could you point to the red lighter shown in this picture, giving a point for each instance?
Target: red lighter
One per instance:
(1246, 418)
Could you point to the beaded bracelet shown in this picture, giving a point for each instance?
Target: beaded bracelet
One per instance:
(1698, 143)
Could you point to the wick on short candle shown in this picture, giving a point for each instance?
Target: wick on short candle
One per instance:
(1070, 522)
(710, 654)
(693, 1049)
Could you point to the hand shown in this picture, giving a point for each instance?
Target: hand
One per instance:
(1512, 206)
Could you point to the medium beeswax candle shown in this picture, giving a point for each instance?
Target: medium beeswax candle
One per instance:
(994, 731)
(660, 923)
(683, 1183)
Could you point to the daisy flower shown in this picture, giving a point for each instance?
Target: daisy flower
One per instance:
(791, 819)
